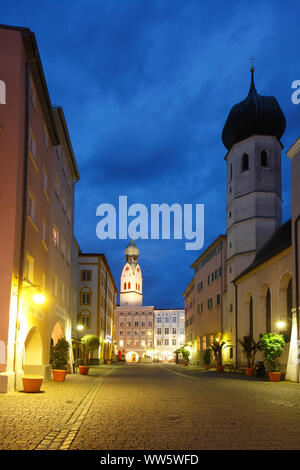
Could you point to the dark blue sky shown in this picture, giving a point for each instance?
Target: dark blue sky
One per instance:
(146, 86)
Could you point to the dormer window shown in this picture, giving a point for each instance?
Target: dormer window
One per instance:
(245, 162)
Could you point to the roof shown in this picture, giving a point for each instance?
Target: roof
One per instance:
(279, 241)
(208, 250)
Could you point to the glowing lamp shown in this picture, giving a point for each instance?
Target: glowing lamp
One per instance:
(281, 325)
(80, 327)
(39, 298)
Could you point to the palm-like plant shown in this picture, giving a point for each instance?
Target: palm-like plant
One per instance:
(217, 345)
(250, 347)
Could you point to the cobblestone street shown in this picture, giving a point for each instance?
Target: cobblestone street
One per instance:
(153, 406)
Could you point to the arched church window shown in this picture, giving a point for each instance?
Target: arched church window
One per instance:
(268, 311)
(251, 318)
(245, 162)
(124, 285)
(289, 310)
(263, 158)
(128, 285)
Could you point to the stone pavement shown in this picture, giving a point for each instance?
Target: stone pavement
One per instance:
(49, 419)
(153, 406)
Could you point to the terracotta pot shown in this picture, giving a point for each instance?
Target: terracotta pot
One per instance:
(206, 366)
(249, 371)
(59, 375)
(186, 363)
(108, 362)
(32, 384)
(219, 368)
(83, 370)
(274, 376)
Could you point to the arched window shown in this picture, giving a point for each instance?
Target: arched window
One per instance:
(289, 315)
(268, 311)
(263, 158)
(245, 162)
(128, 285)
(124, 285)
(251, 318)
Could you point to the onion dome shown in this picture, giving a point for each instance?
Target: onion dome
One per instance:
(131, 249)
(256, 115)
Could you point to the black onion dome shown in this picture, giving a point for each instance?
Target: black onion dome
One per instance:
(256, 115)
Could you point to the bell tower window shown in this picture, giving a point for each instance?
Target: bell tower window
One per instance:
(264, 159)
(245, 162)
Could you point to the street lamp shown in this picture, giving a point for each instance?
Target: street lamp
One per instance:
(280, 325)
(79, 327)
(39, 298)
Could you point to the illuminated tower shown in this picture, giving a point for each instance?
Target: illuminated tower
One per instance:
(131, 289)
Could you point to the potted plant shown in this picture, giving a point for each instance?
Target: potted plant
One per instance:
(273, 346)
(32, 384)
(217, 345)
(59, 358)
(185, 356)
(207, 358)
(250, 347)
(88, 344)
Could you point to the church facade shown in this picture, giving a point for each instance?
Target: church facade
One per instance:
(257, 295)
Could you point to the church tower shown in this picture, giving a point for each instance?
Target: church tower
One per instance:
(251, 135)
(131, 289)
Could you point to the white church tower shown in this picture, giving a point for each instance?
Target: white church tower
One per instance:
(131, 289)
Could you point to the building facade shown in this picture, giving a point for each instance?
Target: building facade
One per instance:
(205, 299)
(169, 333)
(293, 369)
(38, 172)
(97, 297)
(143, 332)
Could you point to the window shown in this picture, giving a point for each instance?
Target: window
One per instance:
(166, 319)
(86, 275)
(121, 333)
(263, 158)
(245, 162)
(182, 331)
(57, 186)
(173, 331)
(150, 323)
(46, 138)
(128, 333)
(121, 343)
(158, 320)
(85, 319)
(128, 285)
(230, 172)
(158, 330)
(45, 179)
(174, 319)
(210, 303)
(63, 246)
(218, 299)
(29, 268)
(204, 343)
(31, 206)
(85, 296)
(136, 323)
(143, 333)
(166, 331)
(125, 285)
(136, 333)
(166, 342)
(54, 285)
(55, 236)
(200, 286)
(173, 342)
(158, 342)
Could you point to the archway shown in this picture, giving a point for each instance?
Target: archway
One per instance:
(33, 353)
(132, 356)
(285, 305)
(57, 333)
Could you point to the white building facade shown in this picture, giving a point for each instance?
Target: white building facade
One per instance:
(169, 333)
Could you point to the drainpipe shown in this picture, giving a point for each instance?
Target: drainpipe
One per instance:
(297, 287)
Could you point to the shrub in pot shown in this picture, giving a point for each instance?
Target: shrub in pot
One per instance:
(59, 359)
(207, 358)
(273, 347)
(217, 345)
(185, 356)
(250, 347)
(88, 344)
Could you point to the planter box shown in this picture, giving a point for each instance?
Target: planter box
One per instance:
(249, 371)
(59, 375)
(83, 370)
(32, 384)
(274, 376)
